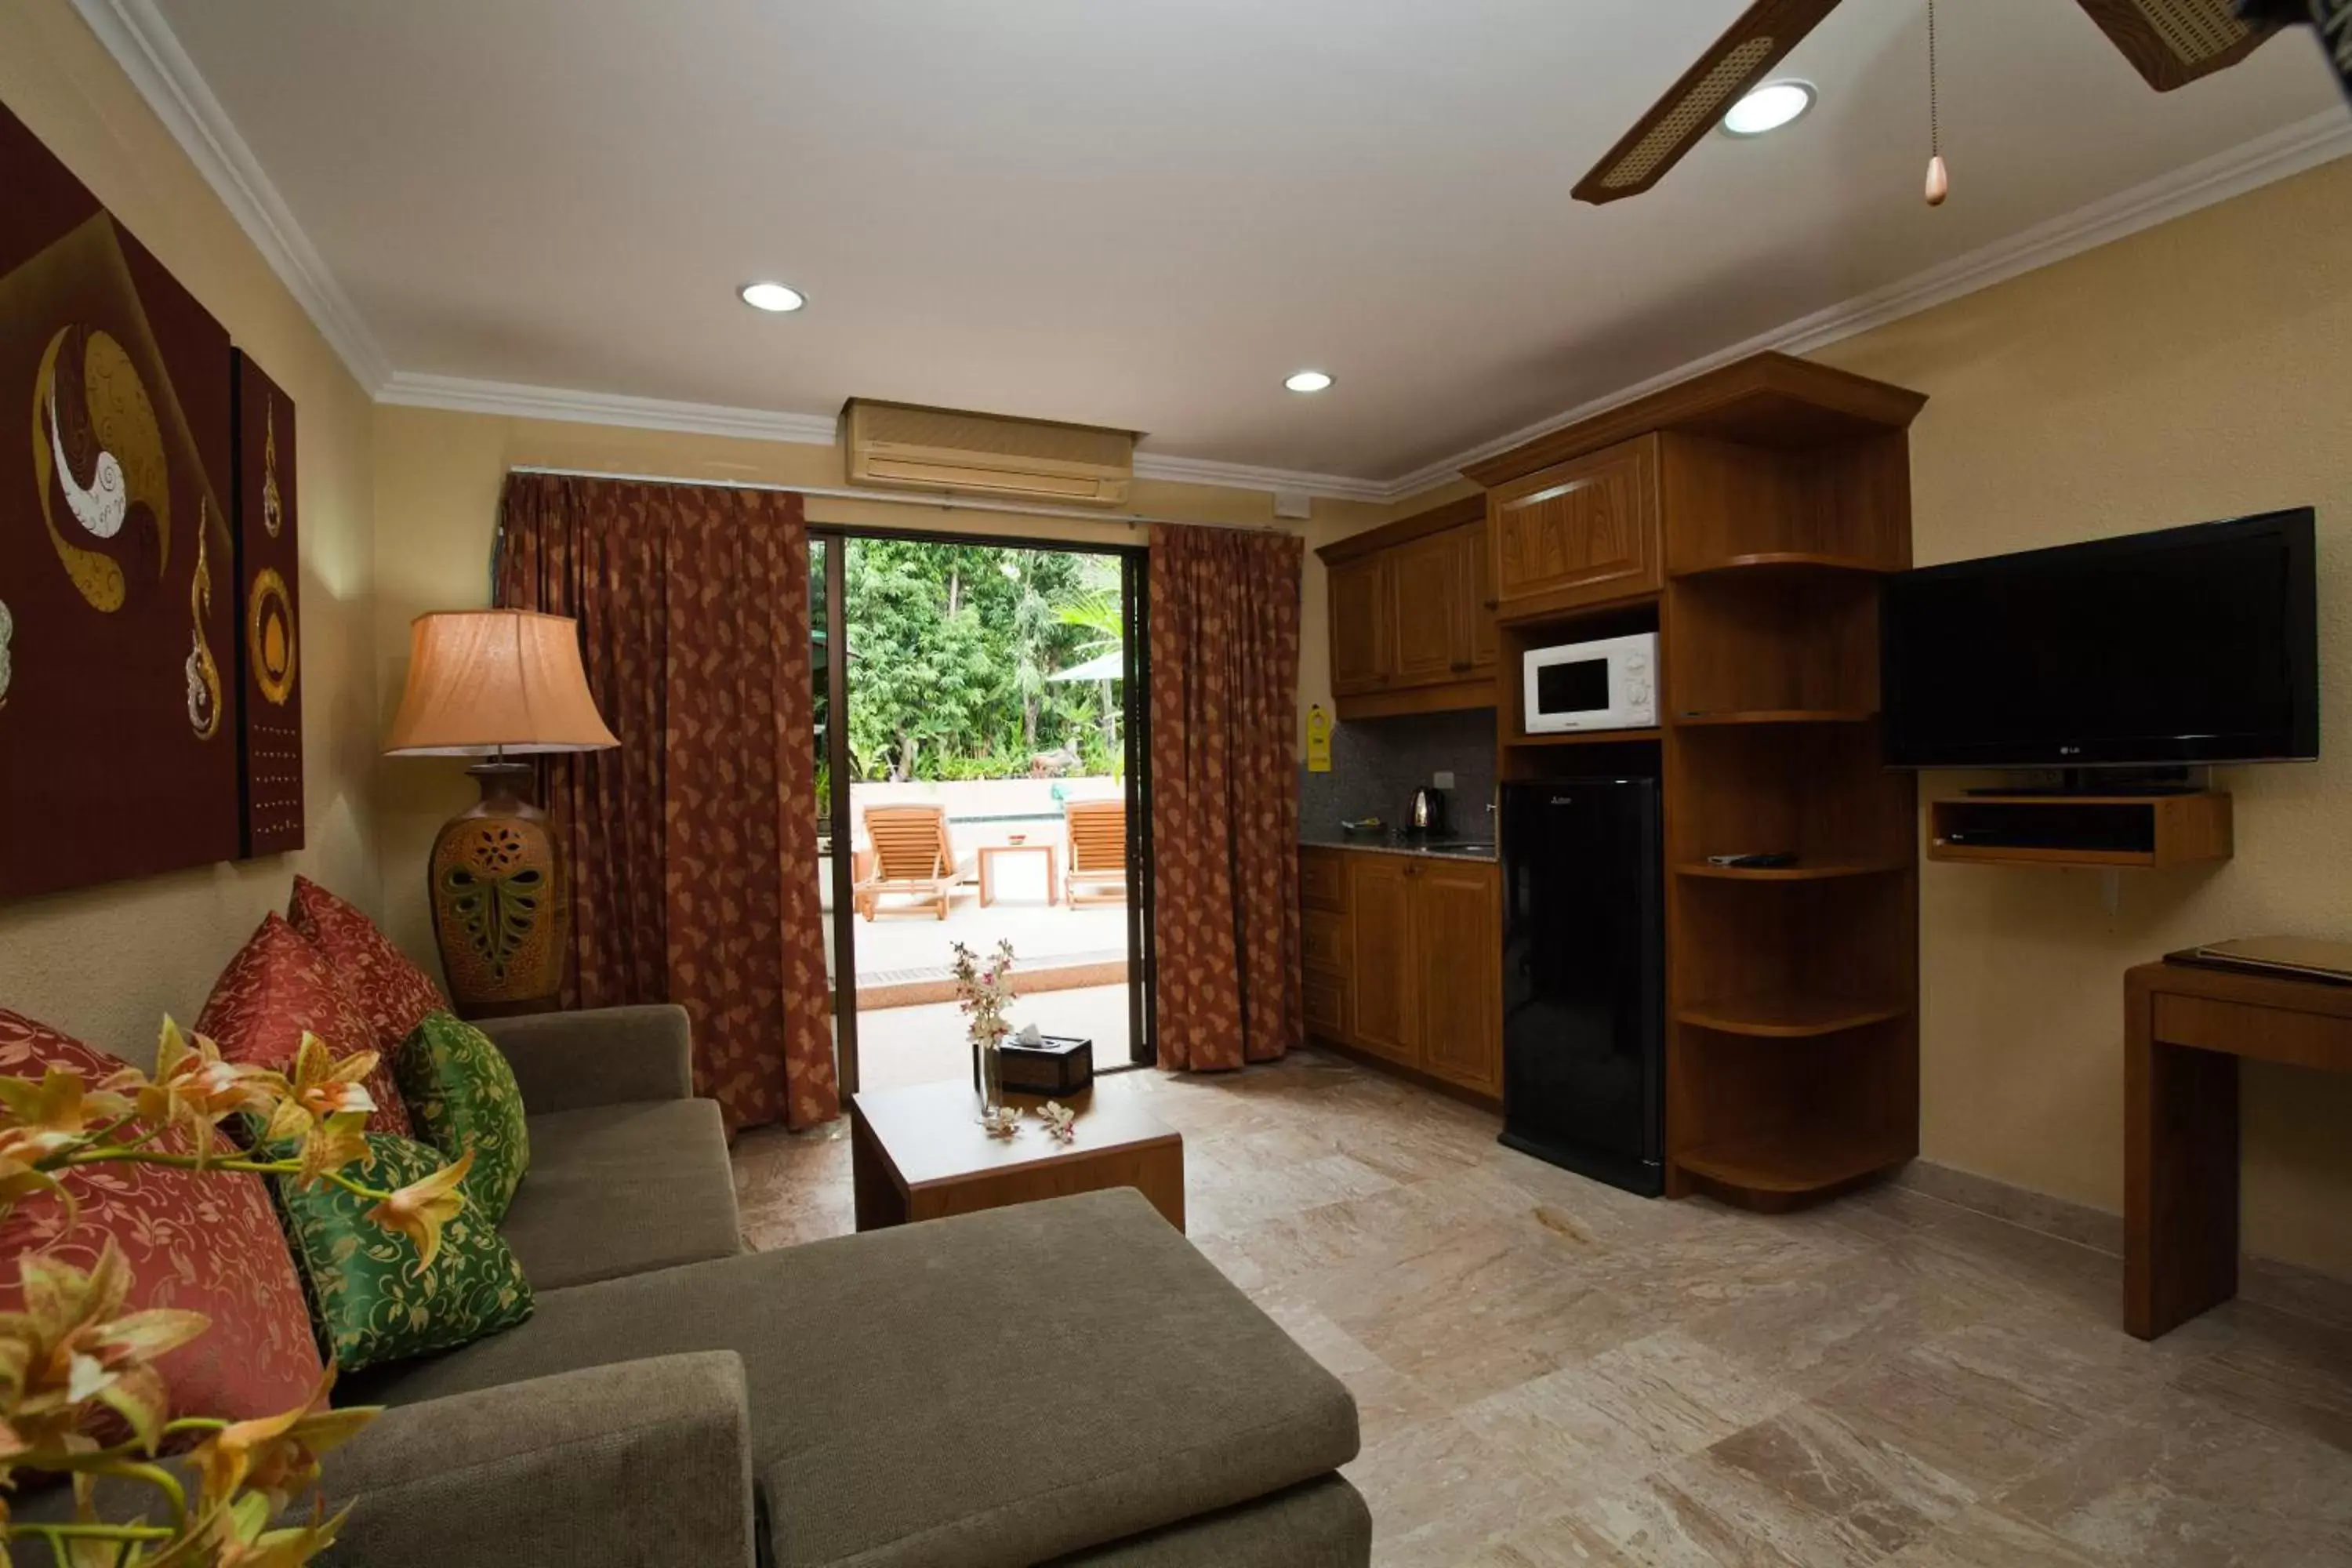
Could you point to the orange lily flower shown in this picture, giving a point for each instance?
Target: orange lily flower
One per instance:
(41, 1119)
(419, 1210)
(325, 1087)
(193, 1086)
(278, 1455)
(69, 1348)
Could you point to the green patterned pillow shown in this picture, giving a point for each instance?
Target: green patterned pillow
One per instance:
(374, 1300)
(461, 1094)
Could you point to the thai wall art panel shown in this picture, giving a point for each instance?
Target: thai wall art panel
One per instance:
(118, 613)
(268, 576)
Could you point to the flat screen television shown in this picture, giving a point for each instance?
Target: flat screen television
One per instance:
(2188, 645)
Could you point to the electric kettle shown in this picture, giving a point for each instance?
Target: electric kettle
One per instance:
(1426, 819)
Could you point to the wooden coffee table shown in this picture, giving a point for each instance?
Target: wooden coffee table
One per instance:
(920, 1154)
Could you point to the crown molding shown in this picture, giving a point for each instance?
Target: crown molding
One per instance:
(1241, 477)
(465, 395)
(135, 33)
(462, 395)
(2283, 152)
(144, 45)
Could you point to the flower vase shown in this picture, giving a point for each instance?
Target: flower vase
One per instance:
(987, 1076)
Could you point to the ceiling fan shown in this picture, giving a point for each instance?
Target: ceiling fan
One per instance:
(2169, 42)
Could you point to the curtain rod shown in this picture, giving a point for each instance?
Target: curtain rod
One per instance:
(885, 497)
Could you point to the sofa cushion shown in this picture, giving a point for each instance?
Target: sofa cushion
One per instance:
(621, 1189)
(376, 1301)
(203, 1243)
(461, 1095)
(1322, 1524)
(279, 987)
(393, 991)
(998, 1388)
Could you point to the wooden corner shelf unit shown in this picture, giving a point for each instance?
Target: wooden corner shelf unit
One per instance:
(1745, 517)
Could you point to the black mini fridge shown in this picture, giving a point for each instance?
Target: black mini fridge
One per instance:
(1584, 978)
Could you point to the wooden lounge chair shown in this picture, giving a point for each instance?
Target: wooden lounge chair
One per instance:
(911, 855)
(1096, 834)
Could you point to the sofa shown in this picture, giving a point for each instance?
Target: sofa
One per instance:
(1067, 1382)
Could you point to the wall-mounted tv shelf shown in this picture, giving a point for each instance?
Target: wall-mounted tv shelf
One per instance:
(2099, 832)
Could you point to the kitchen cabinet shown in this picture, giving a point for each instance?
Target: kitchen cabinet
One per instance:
(1359, 631)
(1380, 889)
(1428, 612)
(1411, 620)
(1457, 972)
(1485, 637)
(1403, 960)
(1584, 532)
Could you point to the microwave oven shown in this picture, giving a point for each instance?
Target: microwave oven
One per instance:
(1611, 684)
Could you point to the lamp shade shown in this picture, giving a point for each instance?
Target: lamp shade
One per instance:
(495, 680)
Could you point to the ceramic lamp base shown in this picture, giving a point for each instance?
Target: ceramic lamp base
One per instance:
(502, 904)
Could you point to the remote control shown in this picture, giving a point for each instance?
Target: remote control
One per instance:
(1754, 862)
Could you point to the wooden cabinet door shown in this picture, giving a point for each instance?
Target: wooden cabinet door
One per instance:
(1458, 972)
(1360, 638)
(1381, 992)
(1326, 999)
(1477, 568)
(1323, 879)
(1582, 532)
(1430, 642)
(1327, 943)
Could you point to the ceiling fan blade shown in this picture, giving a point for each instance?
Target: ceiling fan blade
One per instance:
(2173, 42)
(1759, 40)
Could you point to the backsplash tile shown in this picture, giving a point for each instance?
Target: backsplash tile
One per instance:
(1377, 763)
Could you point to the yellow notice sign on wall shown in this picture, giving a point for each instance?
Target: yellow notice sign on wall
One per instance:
(1318, 739)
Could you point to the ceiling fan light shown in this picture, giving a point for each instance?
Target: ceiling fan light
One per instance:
(1767, 108)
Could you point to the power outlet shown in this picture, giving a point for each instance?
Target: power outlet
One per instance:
(1441, 780)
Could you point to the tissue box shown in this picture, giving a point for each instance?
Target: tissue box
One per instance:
(1058, 1066)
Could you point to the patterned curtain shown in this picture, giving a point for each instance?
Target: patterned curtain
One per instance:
(1225, 795)
(692, 845)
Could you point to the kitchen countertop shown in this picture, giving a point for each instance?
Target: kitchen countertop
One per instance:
(1397, 844)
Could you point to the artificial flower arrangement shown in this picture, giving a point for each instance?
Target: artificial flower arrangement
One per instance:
(982, 994)
(73, 1358)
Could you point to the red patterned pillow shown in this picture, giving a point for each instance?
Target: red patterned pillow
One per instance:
(207, 1244)
(393, 991)
(280, 985)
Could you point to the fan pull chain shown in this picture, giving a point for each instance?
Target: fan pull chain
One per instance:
(1940, 178)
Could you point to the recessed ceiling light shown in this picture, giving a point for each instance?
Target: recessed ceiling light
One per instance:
(1306, 381)
(1769, 108)
(772, 297)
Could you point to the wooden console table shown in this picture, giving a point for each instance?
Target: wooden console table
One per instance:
(2185, 1029)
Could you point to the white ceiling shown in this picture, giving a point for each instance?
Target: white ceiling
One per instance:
(1146, 213)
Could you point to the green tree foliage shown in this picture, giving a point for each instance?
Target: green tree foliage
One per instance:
(951, 649)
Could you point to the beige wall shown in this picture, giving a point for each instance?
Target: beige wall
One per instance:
(437, 477)
(2199, 370)
(106, 962)
(2191, 371)
(2196, 371)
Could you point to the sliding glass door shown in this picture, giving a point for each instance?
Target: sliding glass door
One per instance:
(984, 747)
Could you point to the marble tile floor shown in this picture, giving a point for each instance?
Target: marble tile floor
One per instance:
(1552, 1374)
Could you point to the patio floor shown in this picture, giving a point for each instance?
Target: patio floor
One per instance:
(899, 1046)
(1069, 971)
(1042, 933)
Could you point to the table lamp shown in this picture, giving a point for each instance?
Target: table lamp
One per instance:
(491, 683)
